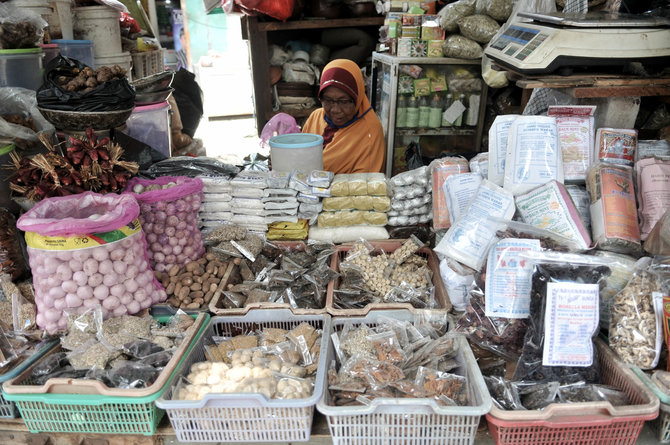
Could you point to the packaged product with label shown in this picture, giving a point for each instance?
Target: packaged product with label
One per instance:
(550, 207)
(533, 154)
(471, 237)
(564, 312)
(653, 192)
(580, 197)
(616, 145)
(480, 164)
(651, 148)
(441, 169)
(498, 147)
(459, 191)
(613, 211)
(575, 137)
(508, 278)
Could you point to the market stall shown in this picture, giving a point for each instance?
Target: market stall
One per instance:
(505, 281)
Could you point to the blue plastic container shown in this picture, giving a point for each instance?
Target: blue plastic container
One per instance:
(81, 50)
(287, 151)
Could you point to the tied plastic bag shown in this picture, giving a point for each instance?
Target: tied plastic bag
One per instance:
(19, 105)
(280, 123)
(86, 272)
(20, 27)
(116, 94)
(478, 27)
(169, 208)
(453, 12)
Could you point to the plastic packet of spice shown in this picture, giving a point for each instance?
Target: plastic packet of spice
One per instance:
(503, 336)
(536, 396)
(548, 240)
(126, 375)
(299, 181)
(437, 383)
(504, 393)
(92, 354)
(653, 189)
(278, 180)
(581, 392)
(498, 135)
(250, 179)
(564, 308)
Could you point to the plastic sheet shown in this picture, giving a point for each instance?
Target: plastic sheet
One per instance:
(191, 167)
(116, 94)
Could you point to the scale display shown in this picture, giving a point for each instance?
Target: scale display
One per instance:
(539, 48)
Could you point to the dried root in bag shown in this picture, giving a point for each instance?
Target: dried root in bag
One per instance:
(634, 331)
(566, 276)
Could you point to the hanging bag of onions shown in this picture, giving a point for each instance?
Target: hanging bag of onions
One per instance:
(169, 208)
(85, 250)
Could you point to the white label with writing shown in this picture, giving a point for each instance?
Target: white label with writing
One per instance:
(508, 278)
(570, 320)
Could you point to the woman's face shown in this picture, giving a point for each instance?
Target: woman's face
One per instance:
(338, 105)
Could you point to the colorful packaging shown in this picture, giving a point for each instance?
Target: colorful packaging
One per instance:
(550, 207)
(613, 211)
(405, 50)
(411, 19)
(419, 48)
(575, 137)
(440, 170)
(616, 145)
(435, 48)
(411, 32)
(422, 87)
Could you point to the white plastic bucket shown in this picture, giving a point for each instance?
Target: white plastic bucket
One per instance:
(292, 150)
(100, 24)
(40, 7)
(60, 21)
(151, 124)
(124, 60)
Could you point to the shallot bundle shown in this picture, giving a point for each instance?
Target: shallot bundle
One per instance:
(85, 250)
(169, 208)
(90, 163)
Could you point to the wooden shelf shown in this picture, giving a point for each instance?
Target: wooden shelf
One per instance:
(600, 85)
(446, 131)
(319, 23)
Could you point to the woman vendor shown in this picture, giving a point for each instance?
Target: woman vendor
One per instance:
(353, 139)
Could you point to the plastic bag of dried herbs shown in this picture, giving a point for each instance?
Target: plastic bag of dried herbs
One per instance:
(564, 313)
(503, 336)
(635, 331)
(461, 47)
(480, 28)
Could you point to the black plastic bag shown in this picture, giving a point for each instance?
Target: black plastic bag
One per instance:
(116, 94)
(191, 167)
(188, 95)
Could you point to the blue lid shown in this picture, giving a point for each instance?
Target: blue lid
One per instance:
(73, 42)
(296, 140)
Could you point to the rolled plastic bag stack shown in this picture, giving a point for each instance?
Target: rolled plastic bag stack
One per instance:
(280, 202)
(356, 199)
(247, 206)
(216, 204)
(411, 199)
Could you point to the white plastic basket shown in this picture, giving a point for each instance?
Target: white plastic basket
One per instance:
(408, 421)
(245, 417)
(146, 63)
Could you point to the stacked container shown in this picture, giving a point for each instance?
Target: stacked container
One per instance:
(101, 25)
(21, 68)
(81, 50)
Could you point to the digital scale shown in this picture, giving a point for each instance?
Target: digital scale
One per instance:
(555, 41)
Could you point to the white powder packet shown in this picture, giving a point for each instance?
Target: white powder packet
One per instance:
(250, 178)
(480, 164)
(533, 154)
(498, 134)
(459, 190)
(472, 235)
(653, 192)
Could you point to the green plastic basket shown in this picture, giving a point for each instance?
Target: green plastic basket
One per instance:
(7, 408)
(95, 413)
(662, 423)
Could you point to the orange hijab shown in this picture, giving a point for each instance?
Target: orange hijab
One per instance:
(355, 148)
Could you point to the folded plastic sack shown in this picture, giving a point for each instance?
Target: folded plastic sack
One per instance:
(217, 197)
(250, 178)
(275, 192)
(246, 203)
(273, 219)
